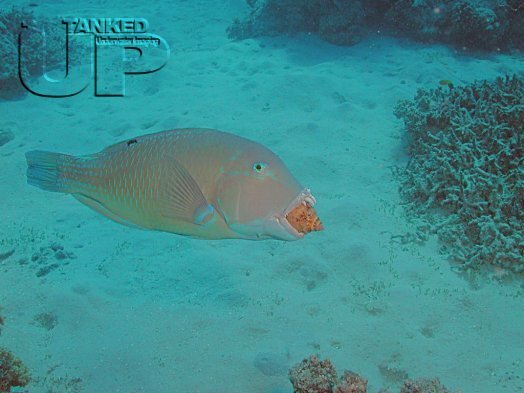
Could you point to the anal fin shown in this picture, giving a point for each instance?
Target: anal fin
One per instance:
(100, 208)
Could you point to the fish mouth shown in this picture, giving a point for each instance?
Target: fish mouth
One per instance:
(306, 200)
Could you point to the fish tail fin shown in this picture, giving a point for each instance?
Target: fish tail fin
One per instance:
(44, 170)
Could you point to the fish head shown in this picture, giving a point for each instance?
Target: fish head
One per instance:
(256, 192)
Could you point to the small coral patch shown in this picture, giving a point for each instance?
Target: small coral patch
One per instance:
(12, 371)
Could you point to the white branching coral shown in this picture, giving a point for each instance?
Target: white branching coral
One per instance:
(466, 147)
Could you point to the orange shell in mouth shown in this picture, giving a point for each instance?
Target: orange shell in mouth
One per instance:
(304, 219)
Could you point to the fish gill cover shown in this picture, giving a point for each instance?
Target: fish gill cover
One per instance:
(466, 169)
(500, 23)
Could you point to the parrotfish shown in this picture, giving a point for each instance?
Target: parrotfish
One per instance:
(202, 183)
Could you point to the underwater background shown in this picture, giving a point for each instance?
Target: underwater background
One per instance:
(92, 306)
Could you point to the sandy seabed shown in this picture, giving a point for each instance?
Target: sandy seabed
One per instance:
(92, 306)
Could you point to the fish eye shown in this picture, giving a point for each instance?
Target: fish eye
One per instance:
(259, 167)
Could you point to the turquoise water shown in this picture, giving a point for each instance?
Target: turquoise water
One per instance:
(93, 306)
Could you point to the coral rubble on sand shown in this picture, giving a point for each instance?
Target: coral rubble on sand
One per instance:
(351, 383)
(313, 375)
(498, 22)
(423, 386)
(466, 169)
(12, 372)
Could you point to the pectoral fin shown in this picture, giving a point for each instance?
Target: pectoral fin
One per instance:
(182, 199)
(204, 215)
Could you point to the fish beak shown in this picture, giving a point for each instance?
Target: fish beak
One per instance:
(288, 231)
